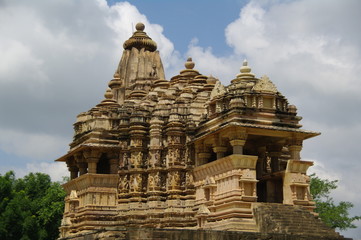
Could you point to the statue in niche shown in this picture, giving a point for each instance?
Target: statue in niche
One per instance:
(136, 159)
(174, 140)
(123, 145)
(154, 158)
(150, 159)
(268, 164)
(156, 179)
(174, 179)
(176, 154)
(157, 157)
(153, 73)
(123, 184)
(189, 178)
(151, 183)
(136, 142)
(135, 182)
(125, 160)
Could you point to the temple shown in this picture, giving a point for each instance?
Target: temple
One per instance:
(187, 154)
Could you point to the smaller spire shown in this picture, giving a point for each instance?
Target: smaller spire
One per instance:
(245, 71)
(189, 71)
(108, 101)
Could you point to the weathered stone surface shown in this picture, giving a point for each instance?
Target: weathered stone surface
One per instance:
(183, 234)
(189, 154)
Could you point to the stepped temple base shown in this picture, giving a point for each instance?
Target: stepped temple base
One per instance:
(271, 221)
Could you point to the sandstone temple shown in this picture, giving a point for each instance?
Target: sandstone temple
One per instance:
(188, 158)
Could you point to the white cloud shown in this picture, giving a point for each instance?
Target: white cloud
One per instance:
(292, 37)
(224, 68)
(56, 170)
(55, 58)
(36, 146)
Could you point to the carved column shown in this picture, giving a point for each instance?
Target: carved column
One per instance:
(73, 169)
(92, 158)
(238, 140)
(202, 154)
(220, 151)
(73, 172)
(261, 166)
(295, 147)
(114, 162)
(81, 163)
(274, 152)
(155, 145)
(174, 134)
(237, 145)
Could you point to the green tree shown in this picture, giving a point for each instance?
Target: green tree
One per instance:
(334, 215)
(30, 207)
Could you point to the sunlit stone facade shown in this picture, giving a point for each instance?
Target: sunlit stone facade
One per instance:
(184, 153)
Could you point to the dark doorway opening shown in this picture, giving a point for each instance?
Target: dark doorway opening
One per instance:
(270, 190)
(103, 166)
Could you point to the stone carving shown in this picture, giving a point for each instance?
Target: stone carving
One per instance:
(265, 85)
(136, 158)
(218, 90)
(123, 185)
(189, 178)
(173, 180)
(153, 181)
(154, 158)
(135, 183)
(183, 143)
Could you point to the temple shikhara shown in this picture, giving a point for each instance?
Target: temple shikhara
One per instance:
(188, 156)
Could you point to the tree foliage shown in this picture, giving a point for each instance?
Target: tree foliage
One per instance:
(334, 215)
(30, 207)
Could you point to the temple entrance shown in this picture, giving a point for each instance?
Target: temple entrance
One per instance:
(270, 189)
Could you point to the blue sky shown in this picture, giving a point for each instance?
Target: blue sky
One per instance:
(58, 56)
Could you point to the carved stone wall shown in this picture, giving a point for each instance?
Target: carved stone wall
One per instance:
(187, 153)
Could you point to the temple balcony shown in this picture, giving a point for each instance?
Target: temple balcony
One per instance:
(226, 187)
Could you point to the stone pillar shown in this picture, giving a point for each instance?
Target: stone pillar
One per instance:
(73, 172)
(203, 158)
(237, 145)
(261, 167)
(295, 147)
(138, 130)
(220, 151)
(73, 169)
(202, 155)
(114, 165)
(238, 139)
(81, 164)
(274, 152)
(295, 151)
(82, 168)
(155, 145)
(92, 158)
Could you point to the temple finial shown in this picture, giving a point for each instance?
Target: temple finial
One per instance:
(108, 94)
(140, 40)
(189, 64)
(140, 27)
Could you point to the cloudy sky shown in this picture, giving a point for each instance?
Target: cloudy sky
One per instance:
(56, 58)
